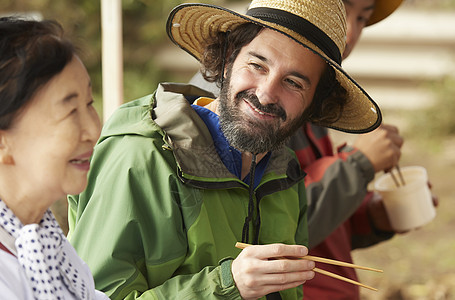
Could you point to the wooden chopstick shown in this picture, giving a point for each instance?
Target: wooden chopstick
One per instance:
(339, 263)
(322, 260)
(397, 184)
(328, 261)
(330, 274)
(401, 176)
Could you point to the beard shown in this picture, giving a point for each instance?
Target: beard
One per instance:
(253, 135)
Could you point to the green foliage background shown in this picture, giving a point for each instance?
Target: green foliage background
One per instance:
(413, 270)
(143, 35)
(432, 125)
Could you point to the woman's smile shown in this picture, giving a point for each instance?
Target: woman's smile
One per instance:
(82, 162)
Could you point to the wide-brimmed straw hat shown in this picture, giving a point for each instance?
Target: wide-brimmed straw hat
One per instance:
(382, 9)
(319, 25)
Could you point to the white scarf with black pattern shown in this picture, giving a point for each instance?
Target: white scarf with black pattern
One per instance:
(40, 253)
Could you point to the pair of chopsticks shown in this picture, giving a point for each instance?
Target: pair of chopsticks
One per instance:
(329, 261)
(395, 179)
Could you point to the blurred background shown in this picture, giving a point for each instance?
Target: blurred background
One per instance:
(406, 63)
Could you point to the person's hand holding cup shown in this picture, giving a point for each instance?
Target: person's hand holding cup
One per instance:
(409, 205)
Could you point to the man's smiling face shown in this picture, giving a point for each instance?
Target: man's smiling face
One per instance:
(267, 89)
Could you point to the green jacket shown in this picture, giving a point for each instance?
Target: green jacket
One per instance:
(161, 213)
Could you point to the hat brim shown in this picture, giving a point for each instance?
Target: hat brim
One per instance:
(382, 9)
(193, 26)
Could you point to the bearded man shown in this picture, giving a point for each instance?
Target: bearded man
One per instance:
(178, 177)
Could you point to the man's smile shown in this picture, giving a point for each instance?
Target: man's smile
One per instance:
(271, 111)
(261, 113)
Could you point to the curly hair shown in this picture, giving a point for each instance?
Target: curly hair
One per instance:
(31, 53)
(224, 50)
(328, 101)
(329, 98)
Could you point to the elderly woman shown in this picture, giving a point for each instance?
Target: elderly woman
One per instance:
(48, 128)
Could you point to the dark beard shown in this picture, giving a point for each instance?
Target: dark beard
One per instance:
(247, 135)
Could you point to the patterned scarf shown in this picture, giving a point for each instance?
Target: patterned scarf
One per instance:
(40, 253)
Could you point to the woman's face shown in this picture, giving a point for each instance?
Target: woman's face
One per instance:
(52, 139)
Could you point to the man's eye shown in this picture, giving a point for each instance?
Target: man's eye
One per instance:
(256, 66)
(293, 83)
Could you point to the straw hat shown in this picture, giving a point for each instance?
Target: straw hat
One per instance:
(319, 25)
(382, 9)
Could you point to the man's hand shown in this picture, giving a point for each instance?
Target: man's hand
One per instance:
(381, 146)
(260, 270)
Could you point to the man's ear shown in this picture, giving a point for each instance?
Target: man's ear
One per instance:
(5, 156)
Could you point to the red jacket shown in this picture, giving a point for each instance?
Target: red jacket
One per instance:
(337, 194)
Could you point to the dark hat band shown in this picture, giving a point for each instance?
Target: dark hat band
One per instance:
(300, 26)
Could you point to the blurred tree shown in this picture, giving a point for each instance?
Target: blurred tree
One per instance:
(143, 35)
(81, 22)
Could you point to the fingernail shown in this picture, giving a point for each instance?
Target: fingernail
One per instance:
(312, 274)
(311, 264)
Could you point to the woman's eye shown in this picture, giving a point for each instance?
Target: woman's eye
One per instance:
(90, 102)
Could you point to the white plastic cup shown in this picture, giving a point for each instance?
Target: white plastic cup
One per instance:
(409, 206)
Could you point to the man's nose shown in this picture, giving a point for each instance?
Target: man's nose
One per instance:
(268, 90)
